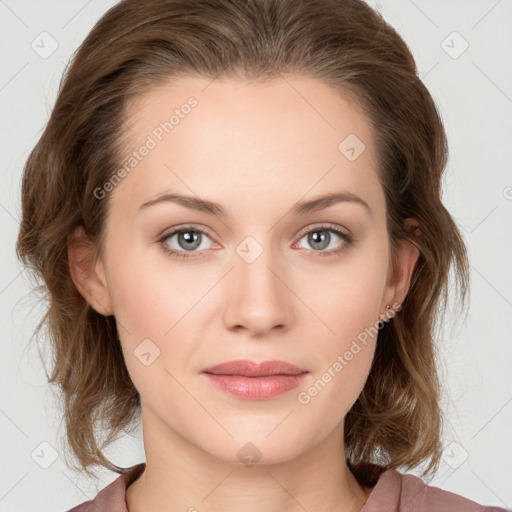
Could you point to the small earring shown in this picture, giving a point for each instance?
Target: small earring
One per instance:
(387, 306)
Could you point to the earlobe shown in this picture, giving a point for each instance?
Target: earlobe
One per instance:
(87, 271)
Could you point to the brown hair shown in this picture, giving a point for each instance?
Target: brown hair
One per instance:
(139, 44)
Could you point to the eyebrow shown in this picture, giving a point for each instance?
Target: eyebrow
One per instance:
(300, 208)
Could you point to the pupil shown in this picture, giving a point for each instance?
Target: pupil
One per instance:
(190, 237)
(319, 237)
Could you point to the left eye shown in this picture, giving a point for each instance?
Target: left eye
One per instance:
(320, 238)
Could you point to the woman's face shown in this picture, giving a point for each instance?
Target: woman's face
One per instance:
(261, 276)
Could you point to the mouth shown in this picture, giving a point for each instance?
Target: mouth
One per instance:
(255, 381)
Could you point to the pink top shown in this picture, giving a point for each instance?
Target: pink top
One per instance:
(393, 492)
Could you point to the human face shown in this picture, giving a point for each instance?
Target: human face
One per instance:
(255, 286)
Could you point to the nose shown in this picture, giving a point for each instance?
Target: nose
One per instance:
(259, 295)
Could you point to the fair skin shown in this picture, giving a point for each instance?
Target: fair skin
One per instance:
(256, 150)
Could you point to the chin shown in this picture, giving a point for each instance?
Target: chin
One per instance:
(258, 448)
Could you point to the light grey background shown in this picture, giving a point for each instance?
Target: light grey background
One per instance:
(474, 93)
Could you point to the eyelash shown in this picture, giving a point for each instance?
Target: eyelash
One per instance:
(347, 239)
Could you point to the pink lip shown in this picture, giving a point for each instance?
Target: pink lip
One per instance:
(255, 381)
(252, 369)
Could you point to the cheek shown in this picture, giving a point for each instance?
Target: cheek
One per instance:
(348, 297)
(343, 361)
(137, 298)
(148, 309)
(149, 293)
(348, 303)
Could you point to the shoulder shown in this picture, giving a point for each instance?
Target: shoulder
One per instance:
(113, 497)
(395, 492)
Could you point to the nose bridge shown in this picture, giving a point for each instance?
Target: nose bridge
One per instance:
(255, 267)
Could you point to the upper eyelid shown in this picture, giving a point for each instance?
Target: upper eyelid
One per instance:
(174, 231)
(324, 225)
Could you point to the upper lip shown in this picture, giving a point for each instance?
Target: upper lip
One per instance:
(248, 368)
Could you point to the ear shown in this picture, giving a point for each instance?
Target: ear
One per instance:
(87, 271)
(405, 260)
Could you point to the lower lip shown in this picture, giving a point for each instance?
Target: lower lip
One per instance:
(256, 388)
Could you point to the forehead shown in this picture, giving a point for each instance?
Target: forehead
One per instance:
(231, 140)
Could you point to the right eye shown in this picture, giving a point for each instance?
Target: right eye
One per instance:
(188, 239)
